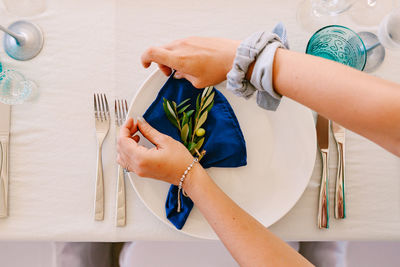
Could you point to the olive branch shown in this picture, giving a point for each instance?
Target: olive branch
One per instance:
(189, 122)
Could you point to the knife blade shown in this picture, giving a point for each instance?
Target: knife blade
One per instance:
(323, 144)
(340, 207)
(5, 115)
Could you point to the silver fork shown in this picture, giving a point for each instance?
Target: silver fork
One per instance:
(121, 110)
(102, 118)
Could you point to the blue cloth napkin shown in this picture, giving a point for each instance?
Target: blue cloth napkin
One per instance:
(224, 142)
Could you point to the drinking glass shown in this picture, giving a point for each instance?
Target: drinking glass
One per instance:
(313, 14)
(371, 12)
(389, 30)
(388, 37)
(25, 7)
(14, 87)
(339, 44)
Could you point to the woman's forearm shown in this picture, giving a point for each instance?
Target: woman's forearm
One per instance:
(249, 242)
(360, 102)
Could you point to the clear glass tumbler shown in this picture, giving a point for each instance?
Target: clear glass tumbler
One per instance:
(314, 14)
(388, 38)
(339, 44)
(14, 87)
(371, 12)
(25, 8)
(389, 30)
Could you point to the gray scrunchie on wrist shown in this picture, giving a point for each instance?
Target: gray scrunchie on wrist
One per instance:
(260, 46)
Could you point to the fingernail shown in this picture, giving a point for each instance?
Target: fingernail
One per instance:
(178, 75)
(141, 119)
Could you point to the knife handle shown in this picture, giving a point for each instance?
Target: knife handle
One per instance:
(323, 205)
(340, 207)
(4, 144)
(121, 200)
(99, 194)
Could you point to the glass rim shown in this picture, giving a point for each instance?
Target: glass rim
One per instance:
(344, 27)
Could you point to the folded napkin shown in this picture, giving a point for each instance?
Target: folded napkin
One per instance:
(224, 142)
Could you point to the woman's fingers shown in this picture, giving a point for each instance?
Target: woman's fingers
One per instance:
(150, 133)
(196, 82)
(126, 143)
(136, 138)
(128, 129)
(172, 59)
(158, 55)
(166, 70)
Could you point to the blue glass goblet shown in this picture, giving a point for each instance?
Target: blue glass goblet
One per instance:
(339, 44)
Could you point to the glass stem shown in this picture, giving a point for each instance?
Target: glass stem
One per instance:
(371, 2)
(19, 38)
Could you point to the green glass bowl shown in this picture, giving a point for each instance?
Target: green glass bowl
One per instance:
(339, 44)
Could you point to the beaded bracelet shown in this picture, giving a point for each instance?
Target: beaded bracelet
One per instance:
(181, 182)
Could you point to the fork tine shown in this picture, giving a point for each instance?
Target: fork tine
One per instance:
(99, 117)
(120, 112)
(116, 112)
(106, 110)
(95, 106)
(99, 107)
(103, 109)
(125, 110)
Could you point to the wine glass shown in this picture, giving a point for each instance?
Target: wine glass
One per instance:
(14, 87)
(371, 12)
(340, 44)
(25, 8)
(313, 14)
(388, 37)
(23, 40)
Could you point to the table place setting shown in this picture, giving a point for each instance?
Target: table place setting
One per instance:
(149, 103)
(59, 179)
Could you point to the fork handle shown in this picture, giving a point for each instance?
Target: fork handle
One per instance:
(4, 143)
(340, 208)
(323, 207)
(99, 194)
(121, 199)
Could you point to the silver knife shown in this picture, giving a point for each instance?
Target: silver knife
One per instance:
(323, 144)
(5, 113)
(340, 207)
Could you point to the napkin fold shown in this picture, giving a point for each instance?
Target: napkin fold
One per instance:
(224, 142)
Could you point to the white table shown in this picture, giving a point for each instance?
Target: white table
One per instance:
(95, 45)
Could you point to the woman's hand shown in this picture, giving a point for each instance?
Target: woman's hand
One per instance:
(202, 61)
(166, 161)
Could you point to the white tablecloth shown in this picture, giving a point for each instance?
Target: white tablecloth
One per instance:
(95, 46)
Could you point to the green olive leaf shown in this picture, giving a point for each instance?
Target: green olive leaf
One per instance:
(209, 90)
(183, 109)
(174, 104)
(171, 110)
(201, 120)
(198, 101)
(185, 133)
(183, 102)
(210, 106)
(190, 123)
(169, 116)
(191, 146)
(208, 101)
(189, 113)
(185, 118)
(204, 92)
(199, 143)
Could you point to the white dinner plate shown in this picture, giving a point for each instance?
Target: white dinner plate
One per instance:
(281, 150)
